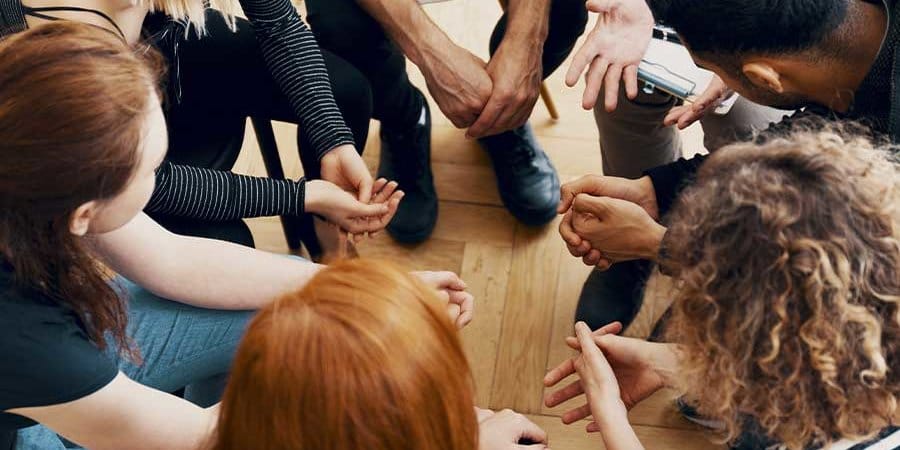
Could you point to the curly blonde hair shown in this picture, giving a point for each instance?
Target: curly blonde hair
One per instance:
(787, 255)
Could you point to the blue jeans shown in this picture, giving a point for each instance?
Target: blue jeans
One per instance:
(183, 347)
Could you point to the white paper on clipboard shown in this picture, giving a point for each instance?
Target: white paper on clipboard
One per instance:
(668, 67)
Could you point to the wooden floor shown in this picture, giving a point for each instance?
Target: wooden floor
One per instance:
(525, 283)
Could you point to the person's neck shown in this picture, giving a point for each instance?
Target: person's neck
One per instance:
(839, 87)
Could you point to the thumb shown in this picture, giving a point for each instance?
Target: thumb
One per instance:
(361, 209)
(364, 188)
(596, 206)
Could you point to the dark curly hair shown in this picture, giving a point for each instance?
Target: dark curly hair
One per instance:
(787, 312)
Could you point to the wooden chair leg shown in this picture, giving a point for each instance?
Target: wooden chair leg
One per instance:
(265, 135)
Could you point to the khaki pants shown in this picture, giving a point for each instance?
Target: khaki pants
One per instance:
(634, 139)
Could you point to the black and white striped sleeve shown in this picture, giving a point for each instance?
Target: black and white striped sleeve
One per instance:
(214, 195)
(295, 61)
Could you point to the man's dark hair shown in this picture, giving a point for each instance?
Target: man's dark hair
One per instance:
(752, 26)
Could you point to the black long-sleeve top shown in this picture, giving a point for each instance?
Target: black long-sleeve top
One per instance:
(293, 57)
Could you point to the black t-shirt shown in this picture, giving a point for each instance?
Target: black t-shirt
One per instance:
(46, 357)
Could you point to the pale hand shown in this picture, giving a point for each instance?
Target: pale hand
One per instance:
(351, 215)
(459, 83)
(613, 50)
(516, 72)
(505, 429)
(685, 115)
(451, 290)
(344, 167)
(636, 367)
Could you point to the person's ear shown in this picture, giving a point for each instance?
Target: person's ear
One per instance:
(80, 222)
(765, 76)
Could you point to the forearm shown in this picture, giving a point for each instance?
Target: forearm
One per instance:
(617, 432)
(214, 195)
(201, 272)
(221, 275)
(409, 26)
(296, 63)
(528, 22)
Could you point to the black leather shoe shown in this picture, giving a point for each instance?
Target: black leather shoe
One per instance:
(613, 296)
(406, 159)
(526, 179)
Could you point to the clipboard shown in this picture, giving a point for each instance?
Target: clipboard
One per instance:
(667, 67)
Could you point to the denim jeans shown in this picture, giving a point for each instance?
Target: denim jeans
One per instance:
(183, 347)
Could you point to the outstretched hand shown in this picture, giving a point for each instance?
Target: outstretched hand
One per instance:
(613, 50)
(350, 214)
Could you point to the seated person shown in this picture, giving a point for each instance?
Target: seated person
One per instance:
(224, 69)
(786, 319)
(94, 359)
(835, 58)
(364, 357)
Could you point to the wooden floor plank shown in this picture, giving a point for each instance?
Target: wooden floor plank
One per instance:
(574, 437)
(526, 323)
(486, 270)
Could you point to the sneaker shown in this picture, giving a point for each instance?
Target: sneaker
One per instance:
(406, 159)
(526, 179)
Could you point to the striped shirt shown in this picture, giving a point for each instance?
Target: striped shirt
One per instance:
(293, 58)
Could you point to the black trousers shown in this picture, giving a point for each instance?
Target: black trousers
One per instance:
(222, 79)
(343, 27)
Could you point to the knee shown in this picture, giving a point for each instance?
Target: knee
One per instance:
(570, 14)
(341, 25)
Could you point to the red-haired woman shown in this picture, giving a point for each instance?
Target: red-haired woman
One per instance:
(363, 357)
(78, 356)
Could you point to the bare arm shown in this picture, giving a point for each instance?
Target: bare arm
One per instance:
(457, 79)
(200, 272)
(126, 414)
(515, 68)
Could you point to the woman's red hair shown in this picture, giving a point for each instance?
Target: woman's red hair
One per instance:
(364, 357)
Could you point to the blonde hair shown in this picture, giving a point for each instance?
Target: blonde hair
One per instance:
(788, 310)
(364, 357)
(192, 12)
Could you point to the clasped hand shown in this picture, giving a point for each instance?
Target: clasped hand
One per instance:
(487, 98)
(610, 219)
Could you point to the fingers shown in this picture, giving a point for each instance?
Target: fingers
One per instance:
(364, 186)
(572, 390)
(466, 302)
(598, 207)
(588, 184)
(489, 116)
(594, 82)
(613, 328)
(586, 341)
(574, 415)
(630, 77)
(592, 427)
(573, 240)
(560, 372)
(592, 258)
(453, 311)
(529, 431)
(583, 57)
(613, 76)
(378, 187)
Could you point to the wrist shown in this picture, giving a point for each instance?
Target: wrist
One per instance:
(654, 239)
(312, 199)
(665, 363)
(648, 196)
